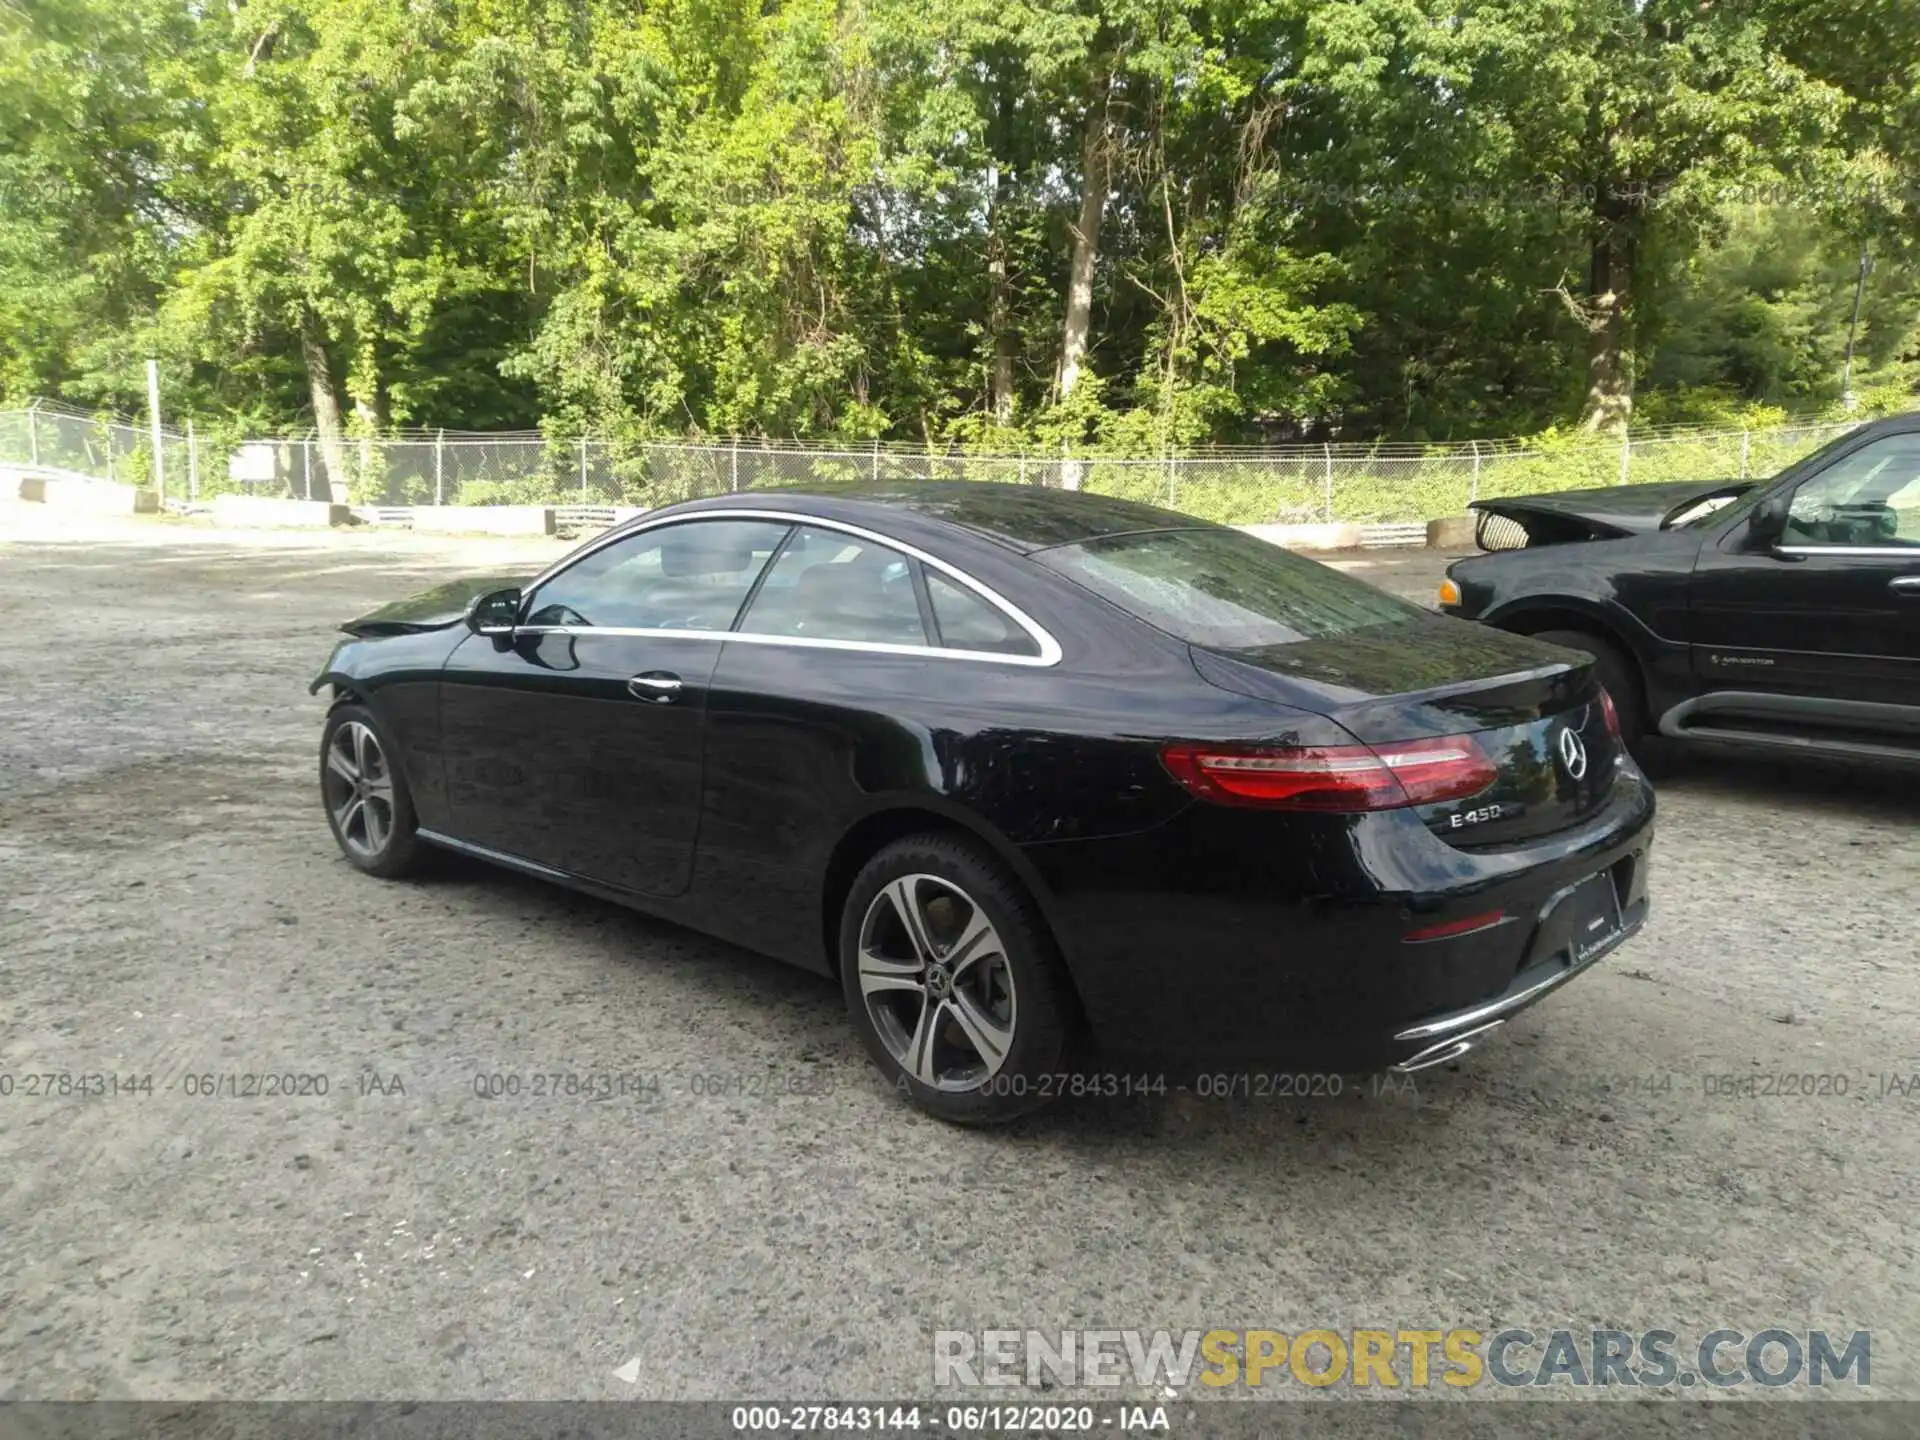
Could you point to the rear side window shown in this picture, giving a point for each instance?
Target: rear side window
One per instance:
(968, 622)
(1224, 589)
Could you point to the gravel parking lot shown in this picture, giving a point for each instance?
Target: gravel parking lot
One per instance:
(767, 1219)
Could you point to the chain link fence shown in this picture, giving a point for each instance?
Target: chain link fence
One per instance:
(1293, 484)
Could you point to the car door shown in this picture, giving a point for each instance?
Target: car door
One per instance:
(847, 644)
(1831, 610)
(576, 742)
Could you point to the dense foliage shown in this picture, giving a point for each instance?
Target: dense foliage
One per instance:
(1135, 223)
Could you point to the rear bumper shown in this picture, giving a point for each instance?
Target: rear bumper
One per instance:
(1192, 950)
(1438, 1039)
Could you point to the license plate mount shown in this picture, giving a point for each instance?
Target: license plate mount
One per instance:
(1584, 924)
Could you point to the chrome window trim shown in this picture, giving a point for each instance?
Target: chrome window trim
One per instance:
(1910, 552)
(804, 642)
(1050, 652)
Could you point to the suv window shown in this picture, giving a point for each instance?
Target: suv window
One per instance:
(1224, 589)
(831, 586)
(1870, 498)
(689, 576)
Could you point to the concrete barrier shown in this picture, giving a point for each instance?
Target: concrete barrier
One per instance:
(1308, 537)
(1452, 532)
(97, 497)
(483, 519)
(264, 510)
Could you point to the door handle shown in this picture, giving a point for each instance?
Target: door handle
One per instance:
(1906, 585)
(659, 686)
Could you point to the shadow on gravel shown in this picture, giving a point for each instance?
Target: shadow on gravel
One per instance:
(1882, 792)
(1210, 1120)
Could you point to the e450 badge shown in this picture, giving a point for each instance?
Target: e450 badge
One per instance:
(1480, 815)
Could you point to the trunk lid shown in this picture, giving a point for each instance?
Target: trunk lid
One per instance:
(1534, 709)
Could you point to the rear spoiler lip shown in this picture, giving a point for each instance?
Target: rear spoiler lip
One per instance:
(1488, 682)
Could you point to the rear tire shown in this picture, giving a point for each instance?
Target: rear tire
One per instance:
(369, 808)
(953, 981)
(1618, 672)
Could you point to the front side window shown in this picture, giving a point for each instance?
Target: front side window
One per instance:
(831, 586)
(1224, 589)
(1870, 498)
(689, 576)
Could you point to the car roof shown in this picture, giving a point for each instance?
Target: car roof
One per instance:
(1025, 518)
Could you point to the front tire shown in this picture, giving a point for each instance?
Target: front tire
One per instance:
(1616, 671)
(369, 808)
(953, 982)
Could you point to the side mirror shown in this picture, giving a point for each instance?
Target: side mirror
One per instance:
(1767, 523)
(494, 614)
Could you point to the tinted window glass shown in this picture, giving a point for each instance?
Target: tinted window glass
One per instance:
(690, 576)
(1225, 589)
(969, 622)
(831, 586)
(1870, 498)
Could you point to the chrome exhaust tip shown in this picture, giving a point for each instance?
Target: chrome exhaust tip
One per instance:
(1439, 1053)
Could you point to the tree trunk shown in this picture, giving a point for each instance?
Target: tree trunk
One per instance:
(1096, 157)
(1609, 320)
(999, 293)
(999, 312)
(326, 405)
(1095, 161)
(370, 417)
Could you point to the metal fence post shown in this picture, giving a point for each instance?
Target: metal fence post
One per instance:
(1170, 480)
(733, 472)
(1746, 449)
(1626, 455)
(583, 467)
(33, 434)
(306, 463)
(1328, 505)
(876, 457)
(193, 465)
(1023, 464)
(1473, 485)
(109, 434)
(439, 467)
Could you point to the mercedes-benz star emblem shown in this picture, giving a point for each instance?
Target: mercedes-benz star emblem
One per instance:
(1573, 753)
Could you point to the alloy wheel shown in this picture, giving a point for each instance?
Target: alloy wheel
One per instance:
(937, 983)
(359, 789)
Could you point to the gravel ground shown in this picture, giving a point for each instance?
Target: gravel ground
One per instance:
(171, 905)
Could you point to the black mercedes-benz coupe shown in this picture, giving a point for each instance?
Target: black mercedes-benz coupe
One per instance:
(1020, 768)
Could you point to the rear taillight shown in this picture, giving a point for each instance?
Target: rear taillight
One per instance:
(1609, 714)
(1333, 777)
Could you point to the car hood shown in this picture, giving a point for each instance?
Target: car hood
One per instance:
(435, 609)
(1604, 514)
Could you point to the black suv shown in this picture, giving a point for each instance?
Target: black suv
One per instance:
(1782, 613)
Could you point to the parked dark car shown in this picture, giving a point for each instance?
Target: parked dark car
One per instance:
(1782, 613)
(1018, 767)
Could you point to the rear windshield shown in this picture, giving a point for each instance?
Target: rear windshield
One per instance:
(1223, 588)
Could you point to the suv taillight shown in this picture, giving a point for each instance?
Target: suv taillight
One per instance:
(1609, 714)
(1343, 778)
